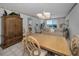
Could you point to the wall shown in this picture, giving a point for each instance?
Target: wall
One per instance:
(60, 21)
(35, 21)
(25, 24)
(73, 18)
(0, 30)
(1, 13)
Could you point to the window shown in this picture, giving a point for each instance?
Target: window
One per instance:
(52, 23)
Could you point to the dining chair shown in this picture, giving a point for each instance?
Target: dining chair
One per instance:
(32, 47)
(74, 46)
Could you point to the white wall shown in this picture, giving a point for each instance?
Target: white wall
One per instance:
(1, 13)
(73, 18)
(60, 21)
(35, 21)
(25, 24)
(0, 30)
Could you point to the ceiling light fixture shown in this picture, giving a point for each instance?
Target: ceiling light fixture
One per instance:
(44, 15)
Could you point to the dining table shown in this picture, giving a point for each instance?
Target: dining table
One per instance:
(53, 43)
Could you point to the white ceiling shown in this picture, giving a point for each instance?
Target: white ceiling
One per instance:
(31, 9)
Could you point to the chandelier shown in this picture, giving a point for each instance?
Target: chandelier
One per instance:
(44, 15)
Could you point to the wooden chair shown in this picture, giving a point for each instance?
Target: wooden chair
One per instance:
(32, 47)
(74, 46)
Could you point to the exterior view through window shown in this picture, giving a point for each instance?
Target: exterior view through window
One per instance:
(52, 24)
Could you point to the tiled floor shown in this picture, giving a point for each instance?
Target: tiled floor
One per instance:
(15, 50)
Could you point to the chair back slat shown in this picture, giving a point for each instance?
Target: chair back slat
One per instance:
(74, 45)
(31, 45)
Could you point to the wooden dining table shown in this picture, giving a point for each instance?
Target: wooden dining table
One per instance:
(55, 44)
